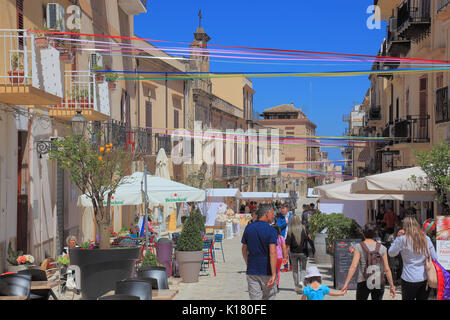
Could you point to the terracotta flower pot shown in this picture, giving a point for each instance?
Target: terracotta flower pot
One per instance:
(111, 85)
(99, 77)
(41, 42)
(189, 264)
(16, 76)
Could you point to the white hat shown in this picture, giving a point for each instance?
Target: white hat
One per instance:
(312, 272)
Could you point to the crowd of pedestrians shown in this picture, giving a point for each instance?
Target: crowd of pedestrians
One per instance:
(277, 236)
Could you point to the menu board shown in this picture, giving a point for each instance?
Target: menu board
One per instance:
(343, 257)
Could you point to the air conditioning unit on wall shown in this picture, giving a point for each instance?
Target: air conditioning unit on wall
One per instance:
(56, 17)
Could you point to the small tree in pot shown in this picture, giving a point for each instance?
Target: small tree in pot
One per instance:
(189, 253)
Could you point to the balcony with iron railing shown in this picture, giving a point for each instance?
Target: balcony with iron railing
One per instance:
(28, 74)
(443, 10)
(395, 45)
(120, 135)
(86, 92)
(374, 113)
(414, 19)
(133, 7)
(413, 129)
(442, 113)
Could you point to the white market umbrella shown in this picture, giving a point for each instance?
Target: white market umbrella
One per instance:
(159, 191)
(162, 170)
(342, 191)
(397, 182)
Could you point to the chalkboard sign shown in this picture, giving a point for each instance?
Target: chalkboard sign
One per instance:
(343, 256)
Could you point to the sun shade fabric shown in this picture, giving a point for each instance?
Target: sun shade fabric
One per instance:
(263, 195)
(222, 193)
(159, 191)
(342, 191)
(396, 182)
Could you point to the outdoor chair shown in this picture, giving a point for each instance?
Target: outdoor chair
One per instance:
(158, 273)
(218, 238)
(135, 287)
(208, 254)
(15, 284)
(119, 297)
(39, 275)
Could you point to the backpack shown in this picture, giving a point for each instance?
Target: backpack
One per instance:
(374, 262)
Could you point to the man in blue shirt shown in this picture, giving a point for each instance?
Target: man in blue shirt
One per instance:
(259, 251)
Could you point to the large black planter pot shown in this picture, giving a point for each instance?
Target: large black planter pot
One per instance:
(101, 269)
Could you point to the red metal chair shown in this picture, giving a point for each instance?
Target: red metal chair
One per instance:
(208, 254)
(151, 248)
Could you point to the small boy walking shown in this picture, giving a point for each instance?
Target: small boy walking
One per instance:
(314, 289)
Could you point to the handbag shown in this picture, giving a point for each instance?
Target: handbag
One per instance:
(432, 279)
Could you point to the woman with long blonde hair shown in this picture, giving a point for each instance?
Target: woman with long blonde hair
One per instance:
(296, 244)
(414, 247)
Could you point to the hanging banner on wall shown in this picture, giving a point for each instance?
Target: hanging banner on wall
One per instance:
(443, 241)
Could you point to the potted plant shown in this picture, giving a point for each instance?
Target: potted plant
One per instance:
(189, 254)
(16, 75)
(112, 78)
(18, 261)
(150, 260)
(98, 76)
(97, 171)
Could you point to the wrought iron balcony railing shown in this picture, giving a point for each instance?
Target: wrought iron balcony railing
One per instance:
(414, 18)
(414, 129)
(442, 106)
(442, 5)
(375, 113)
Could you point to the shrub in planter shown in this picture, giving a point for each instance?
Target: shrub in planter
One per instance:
(189, 253)
(338, 227)
(150, 260)
(198, 219)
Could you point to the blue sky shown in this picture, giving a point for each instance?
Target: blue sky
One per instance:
(326, 26)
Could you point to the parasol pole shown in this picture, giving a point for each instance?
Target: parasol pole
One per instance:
(146, 208)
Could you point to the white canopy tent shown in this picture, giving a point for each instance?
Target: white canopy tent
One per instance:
(215, 203)
(262, 195)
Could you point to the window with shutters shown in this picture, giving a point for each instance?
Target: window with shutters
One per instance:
(176, 120)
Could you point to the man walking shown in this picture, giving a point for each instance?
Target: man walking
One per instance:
(259, 251)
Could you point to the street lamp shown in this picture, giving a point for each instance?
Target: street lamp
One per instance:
(78, 123)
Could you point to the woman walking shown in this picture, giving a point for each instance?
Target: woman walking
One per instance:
(296, 244)
(414, 247)
(373, 255)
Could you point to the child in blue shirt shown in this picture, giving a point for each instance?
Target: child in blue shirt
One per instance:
(314, 289)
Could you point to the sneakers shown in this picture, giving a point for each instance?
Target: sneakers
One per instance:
(290, 268)
(299, 289)
(284, 270)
